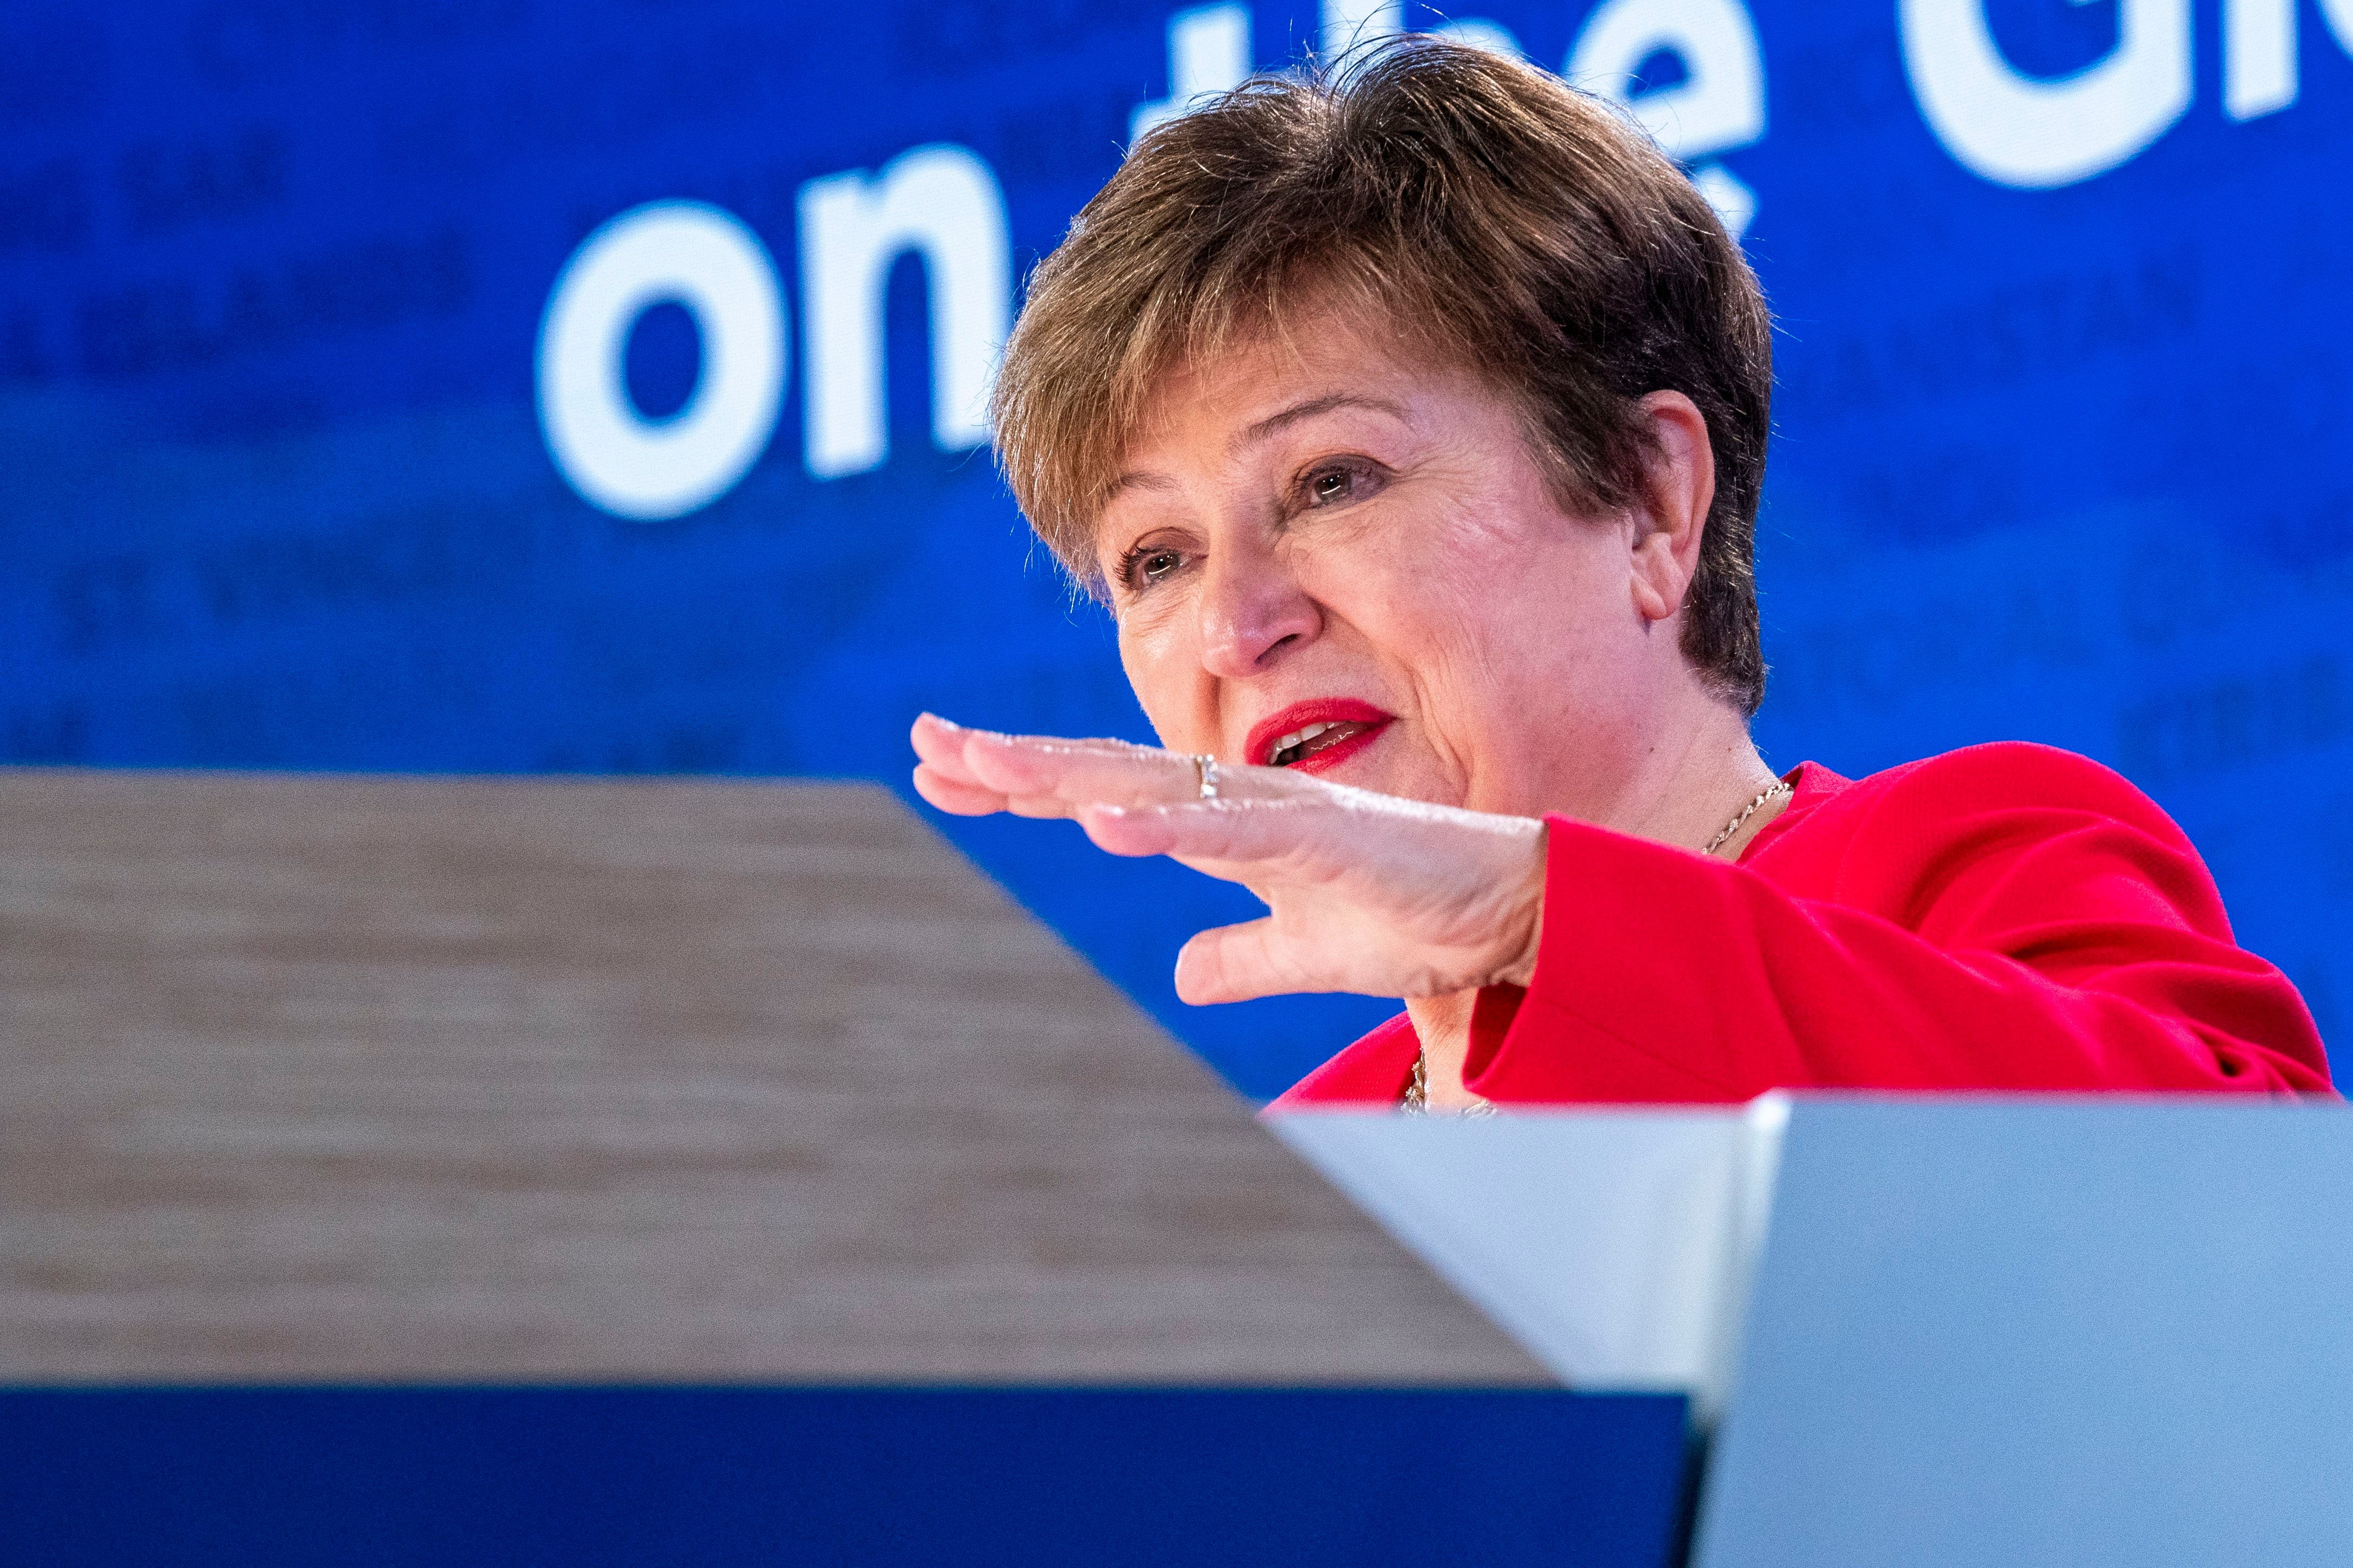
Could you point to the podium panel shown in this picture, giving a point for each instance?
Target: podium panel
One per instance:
(716, 1477)
(332, 1078)
(1616, 1243)
(1936, 1330)
(2004, 1334)
(465, 1171)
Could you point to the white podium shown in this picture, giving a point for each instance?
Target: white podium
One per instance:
(1999, 1332)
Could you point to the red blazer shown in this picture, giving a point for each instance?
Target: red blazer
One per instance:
(2003, 917)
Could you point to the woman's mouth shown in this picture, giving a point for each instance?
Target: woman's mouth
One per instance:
(1301, 744)
(1314, 736)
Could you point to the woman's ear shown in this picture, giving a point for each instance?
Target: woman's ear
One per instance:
(1672, 518)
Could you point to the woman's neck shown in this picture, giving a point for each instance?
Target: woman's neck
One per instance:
(1700, 772)
(1443, 1026)
(1688, 797)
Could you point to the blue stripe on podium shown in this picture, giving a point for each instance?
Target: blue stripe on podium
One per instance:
(710, 1477)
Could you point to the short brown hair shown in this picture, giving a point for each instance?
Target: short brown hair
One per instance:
(1501, 219)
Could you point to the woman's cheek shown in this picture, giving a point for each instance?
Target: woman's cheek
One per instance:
(1156, 672)
(1422, 610)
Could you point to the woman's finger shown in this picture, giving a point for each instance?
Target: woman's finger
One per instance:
(939, 752)
(930, 734)
(1078, 773)
(956, 796)
(941, 745)
(1240, 964)
(1052, 768)
(1241, 831)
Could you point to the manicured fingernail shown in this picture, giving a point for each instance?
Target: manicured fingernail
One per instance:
(943, 723)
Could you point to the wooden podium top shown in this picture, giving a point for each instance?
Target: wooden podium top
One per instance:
(329, 1078)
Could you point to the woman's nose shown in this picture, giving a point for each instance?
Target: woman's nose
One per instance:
(1253, 611)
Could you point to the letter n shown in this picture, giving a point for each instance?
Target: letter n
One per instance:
(942, 202)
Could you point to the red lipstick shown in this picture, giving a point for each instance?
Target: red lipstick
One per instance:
(1354, 724)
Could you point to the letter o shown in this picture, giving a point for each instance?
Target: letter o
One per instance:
(2037, 133)
(705, 259)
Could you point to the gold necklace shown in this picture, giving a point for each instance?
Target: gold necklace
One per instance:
(1415, 1099)
(1780, 788)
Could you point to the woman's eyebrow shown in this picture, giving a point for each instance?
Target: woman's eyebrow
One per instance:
(1274, 424)
(1137, 480)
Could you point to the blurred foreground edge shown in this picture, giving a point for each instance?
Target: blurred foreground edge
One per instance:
(355, 1079)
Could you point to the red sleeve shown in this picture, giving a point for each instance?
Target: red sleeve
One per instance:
(2008, 918)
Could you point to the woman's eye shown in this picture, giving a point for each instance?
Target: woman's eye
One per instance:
(1145, 567)
(1333, 486)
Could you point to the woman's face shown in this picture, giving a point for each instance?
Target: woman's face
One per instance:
(1325, 556)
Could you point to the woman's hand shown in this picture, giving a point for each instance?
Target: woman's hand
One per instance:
(1365, 892)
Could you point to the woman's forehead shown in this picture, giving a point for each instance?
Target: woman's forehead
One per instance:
(1256, 385)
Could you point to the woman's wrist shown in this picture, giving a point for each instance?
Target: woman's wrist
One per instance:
(1523, 929)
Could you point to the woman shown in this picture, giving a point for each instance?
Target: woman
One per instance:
(1412, 424)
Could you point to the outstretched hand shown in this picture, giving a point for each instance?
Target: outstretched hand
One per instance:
(1364, 892)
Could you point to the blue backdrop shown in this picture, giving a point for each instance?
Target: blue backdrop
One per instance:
(2063, 358)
